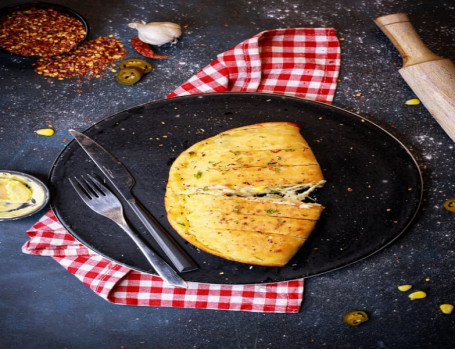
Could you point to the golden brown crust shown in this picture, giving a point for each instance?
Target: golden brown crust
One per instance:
(252, 248)
(223, 193)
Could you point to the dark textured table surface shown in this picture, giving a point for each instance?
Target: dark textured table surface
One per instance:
(43, 306)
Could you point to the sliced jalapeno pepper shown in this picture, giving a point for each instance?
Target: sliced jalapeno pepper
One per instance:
(129, 76)
(449, 205)
(145, 66)
(355, 318)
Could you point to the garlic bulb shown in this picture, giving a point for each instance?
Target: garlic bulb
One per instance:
(157, 33)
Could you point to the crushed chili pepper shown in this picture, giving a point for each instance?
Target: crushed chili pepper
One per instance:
(90, 59)
(40, 32)
(144, 49)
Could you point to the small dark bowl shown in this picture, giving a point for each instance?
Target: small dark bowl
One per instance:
(43, 5)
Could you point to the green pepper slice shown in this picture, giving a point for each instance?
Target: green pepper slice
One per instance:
(145, 66)
(449, 205)
(129, 76)
(355, 318)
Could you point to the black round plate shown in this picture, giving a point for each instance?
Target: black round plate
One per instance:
(373, 190)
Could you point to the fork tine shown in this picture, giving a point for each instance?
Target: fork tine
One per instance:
(100, 186)
(79, 189)
(96, 186)
(86, 187)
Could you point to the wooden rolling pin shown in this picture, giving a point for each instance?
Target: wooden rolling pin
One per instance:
(432, 78)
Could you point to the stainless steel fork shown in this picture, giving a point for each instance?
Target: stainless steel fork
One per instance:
(101, 200)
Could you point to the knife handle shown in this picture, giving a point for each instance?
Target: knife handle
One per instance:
(400, 31)
(179, 258)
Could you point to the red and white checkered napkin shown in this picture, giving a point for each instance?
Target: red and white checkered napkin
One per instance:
(299, 62)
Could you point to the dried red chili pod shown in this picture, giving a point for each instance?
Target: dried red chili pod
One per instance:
(144, 49)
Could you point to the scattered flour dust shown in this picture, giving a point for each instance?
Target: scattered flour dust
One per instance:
(429, 143)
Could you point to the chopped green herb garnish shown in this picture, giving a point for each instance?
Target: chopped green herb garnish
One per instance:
(198, 175)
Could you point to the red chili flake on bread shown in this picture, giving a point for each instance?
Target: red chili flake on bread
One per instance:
(40, 32)
(89, 59)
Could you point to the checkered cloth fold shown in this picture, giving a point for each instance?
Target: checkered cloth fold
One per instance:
(302, 62)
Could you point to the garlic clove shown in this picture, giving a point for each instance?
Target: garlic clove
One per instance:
(157, 33)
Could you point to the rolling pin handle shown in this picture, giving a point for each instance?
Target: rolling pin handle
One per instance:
(400, 31)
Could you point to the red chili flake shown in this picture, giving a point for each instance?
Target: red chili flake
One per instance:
(43, 32)
(89, 60)
(349, 189)
(144, 49)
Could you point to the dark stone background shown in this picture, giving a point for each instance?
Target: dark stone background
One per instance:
(43, 306)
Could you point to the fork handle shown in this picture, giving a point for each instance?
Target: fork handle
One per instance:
(179, 258)
(161, 267)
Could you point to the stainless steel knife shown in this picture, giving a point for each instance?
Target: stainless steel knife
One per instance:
(123, 181)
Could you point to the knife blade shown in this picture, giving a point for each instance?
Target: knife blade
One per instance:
(124, 182)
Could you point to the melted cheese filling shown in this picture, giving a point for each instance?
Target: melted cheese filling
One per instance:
(295, 194)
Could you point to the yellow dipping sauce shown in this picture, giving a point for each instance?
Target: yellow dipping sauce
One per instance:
(20, 195)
